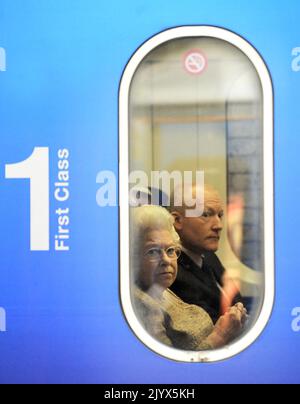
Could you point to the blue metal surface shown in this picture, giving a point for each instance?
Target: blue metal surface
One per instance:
(64, 61)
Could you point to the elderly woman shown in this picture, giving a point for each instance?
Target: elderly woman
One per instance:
(164, 315)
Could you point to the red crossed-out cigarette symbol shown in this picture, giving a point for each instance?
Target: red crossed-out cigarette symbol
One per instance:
(195, 62)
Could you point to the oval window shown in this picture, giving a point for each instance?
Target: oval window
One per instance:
(196, 194)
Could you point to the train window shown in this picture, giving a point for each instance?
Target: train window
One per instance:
(196, 194)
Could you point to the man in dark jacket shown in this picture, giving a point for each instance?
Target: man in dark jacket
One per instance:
(200, 278)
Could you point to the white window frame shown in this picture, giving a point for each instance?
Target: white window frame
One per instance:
(268, 193)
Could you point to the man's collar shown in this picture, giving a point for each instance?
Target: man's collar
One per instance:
(196, 258)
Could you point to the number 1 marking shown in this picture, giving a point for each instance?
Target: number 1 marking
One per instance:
(36, 168)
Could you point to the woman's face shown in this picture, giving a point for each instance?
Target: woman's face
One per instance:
(158, 261)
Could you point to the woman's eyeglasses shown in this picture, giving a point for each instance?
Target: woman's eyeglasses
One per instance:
(156, 254)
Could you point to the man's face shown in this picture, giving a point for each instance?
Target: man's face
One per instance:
(200, 234)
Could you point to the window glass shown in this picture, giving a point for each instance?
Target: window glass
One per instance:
(195, 114)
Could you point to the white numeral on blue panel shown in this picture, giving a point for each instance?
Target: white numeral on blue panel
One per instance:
(35, 168)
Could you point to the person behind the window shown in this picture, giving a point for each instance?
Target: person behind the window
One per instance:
(201, 276)
(155, 249)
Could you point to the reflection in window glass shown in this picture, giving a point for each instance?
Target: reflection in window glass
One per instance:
(196, 106)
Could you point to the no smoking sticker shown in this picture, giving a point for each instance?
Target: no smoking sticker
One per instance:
(195, 62)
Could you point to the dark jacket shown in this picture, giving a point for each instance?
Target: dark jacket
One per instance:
(198, 286)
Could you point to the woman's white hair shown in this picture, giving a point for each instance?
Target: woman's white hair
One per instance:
(147, 218)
